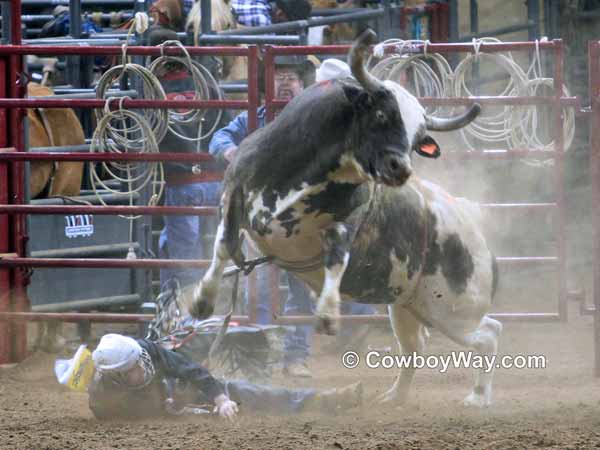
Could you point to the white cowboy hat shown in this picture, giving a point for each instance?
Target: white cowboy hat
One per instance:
(332, 69)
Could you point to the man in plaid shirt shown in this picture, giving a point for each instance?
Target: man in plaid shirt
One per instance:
(256, 13)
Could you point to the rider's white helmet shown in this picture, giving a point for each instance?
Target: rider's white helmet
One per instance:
(116, 353)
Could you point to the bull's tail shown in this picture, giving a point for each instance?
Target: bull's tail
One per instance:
(232, 220)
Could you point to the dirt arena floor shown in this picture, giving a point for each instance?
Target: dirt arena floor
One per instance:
(556, 407)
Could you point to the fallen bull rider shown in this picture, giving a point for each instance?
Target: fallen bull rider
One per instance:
(139, 378)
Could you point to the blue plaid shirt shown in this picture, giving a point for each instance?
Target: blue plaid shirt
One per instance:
(252, 13)
(187, 7)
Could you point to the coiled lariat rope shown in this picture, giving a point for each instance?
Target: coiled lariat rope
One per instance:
(431, 76)
(430, 71)
(135, 136)
(205, 87)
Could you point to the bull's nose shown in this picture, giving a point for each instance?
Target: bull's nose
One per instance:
(398, 167)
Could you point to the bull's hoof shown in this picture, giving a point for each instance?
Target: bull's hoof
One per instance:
(201, 309)
(392, 397)
(326, 325)
(477, 400)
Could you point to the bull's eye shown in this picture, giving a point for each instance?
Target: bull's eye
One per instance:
(380, 116)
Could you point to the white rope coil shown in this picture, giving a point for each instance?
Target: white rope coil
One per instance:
(431, 76)
(493, 125)
(204, 87)
(430, 71)
(139, 138)
(152, 90)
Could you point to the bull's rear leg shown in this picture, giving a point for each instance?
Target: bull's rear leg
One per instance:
(205, 293)
(485, 342)
(336, 242)
(410, 335)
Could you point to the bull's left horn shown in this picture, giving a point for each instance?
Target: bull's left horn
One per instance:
(356, 58)
(454, 123)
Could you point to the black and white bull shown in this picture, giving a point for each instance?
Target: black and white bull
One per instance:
(325, 190)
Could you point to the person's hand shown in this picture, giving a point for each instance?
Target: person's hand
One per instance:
(226, 408)
(229, 153)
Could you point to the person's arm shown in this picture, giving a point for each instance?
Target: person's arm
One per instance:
(225, 141)
(177, 366)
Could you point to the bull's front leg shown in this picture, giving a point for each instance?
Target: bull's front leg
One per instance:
(337, 241)
(206, 292)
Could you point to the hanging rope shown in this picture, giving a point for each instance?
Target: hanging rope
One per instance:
(429, 75)
(494, 124)
(136, 136)
(205, 87)
(430, 72)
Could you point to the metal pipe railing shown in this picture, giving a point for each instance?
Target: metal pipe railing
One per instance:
(88, 304)
(33, 18)
(15, 261)
(280, 320)
(103, 263)
(89, 251)
(46, 3)
(127, 103)
(298, 25)
(594, 90)
(109, 210)
(134, 50)
(180, 157)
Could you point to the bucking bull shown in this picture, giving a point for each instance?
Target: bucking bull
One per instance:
(326, 191)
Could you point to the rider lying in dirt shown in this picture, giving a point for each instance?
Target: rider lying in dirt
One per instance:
(138, 378)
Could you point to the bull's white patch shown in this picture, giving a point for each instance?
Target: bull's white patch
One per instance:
(349, 171)
(81, 225)
(412, 112)
(257, 204)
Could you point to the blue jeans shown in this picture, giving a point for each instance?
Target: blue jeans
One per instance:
(298, 295)
(181, 237)
(270, 399)
(298, 340)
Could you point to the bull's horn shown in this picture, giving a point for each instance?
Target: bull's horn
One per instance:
(356, 61)
(454, 123)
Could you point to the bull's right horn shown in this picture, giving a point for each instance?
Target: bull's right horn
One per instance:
(454, 123)
(356, 61)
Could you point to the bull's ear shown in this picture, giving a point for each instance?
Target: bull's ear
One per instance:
(427, 147)
(359, 98)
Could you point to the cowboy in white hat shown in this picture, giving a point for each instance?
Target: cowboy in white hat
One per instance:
(134, 368)
(138, 378)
